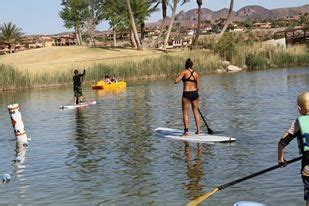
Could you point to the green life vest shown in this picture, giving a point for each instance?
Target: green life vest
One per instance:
(304, 131)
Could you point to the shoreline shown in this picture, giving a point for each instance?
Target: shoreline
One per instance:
(155, 67)
(142, 79)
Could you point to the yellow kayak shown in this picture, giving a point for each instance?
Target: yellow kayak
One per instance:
(101, 85)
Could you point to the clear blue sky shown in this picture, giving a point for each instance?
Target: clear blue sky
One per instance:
(41, 16)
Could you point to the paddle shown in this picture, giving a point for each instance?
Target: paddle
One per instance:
(200, 199)
(208, 129)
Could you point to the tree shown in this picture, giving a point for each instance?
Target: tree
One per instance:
(133, 26)
(148, 9)
(95, 15)
(73, 14)
(175, 2)
(10, 34)
(117, 19)
(174, 8)
(164, 4)
(229, 18)
(199, 4)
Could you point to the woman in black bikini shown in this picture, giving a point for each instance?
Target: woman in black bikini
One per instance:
(191, 82)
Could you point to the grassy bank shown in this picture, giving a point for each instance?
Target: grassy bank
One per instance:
(257, 56)
(263, 56)
(166, 65)
(246, 49)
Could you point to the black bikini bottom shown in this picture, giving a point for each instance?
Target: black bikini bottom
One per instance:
(190, 95)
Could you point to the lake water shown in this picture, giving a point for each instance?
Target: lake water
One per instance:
(107, 154)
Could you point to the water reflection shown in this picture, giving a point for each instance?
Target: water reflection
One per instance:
(108, 153)
(20, 152)
(19, 168)
(195, 171)
(85, 144)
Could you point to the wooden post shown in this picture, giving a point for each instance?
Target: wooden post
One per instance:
(17, 123)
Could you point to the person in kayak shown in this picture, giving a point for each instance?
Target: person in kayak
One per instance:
(107, 79)
(77, 86)
(190, 96)
(300, 129)
(113, 78)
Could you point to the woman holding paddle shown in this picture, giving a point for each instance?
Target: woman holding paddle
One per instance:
(190, 96)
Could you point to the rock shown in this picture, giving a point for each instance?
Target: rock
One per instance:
(226, 63)
(232, 68)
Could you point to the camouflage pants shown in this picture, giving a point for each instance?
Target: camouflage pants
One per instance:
(78, 91)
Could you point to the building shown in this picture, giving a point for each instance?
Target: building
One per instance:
(266, 25)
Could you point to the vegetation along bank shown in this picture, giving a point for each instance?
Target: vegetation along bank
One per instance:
(250, 56)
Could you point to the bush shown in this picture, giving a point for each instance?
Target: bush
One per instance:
(256, 62)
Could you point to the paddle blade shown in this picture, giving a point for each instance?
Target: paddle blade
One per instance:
(200, 199)
(209, 131)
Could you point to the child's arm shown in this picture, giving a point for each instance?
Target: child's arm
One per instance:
(83, 72)
(284, 141)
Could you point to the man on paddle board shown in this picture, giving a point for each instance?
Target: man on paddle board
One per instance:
(190, 96)
(300, 129)
(77, 86)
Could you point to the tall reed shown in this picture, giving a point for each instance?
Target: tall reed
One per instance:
(167, 65)
(164, 66)
(263, 56)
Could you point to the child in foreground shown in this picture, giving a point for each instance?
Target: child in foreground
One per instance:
(300, 129)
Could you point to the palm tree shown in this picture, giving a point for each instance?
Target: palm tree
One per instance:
(199, 4)
(10, 34)
(175, 2)
(149, 8)
(229, 18)
(133, 26)
(164, 4)
(174, 8)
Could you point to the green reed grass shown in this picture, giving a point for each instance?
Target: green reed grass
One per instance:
(261, 56)
(167, 65)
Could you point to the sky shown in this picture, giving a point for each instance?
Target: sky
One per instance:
(41, 16)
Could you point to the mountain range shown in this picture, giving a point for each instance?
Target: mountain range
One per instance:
(248, 12)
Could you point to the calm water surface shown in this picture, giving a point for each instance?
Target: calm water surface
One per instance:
(107, 154)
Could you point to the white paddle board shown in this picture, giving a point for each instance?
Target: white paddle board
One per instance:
(248, 203)
(176, 134)
(84, 104)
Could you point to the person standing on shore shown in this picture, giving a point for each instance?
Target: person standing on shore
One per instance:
(300, 129)
(77, 86)
(190, 96)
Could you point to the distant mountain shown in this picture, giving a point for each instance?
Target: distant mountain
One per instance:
(248, 12)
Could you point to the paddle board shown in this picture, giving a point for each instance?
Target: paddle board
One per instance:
(176, 134)
(248, 203)
(84, 104)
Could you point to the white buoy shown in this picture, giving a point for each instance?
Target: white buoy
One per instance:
(17, 123)
(5, 178)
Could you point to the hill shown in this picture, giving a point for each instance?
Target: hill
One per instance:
(248, 12)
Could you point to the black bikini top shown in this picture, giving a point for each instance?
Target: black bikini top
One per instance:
(189, 78)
